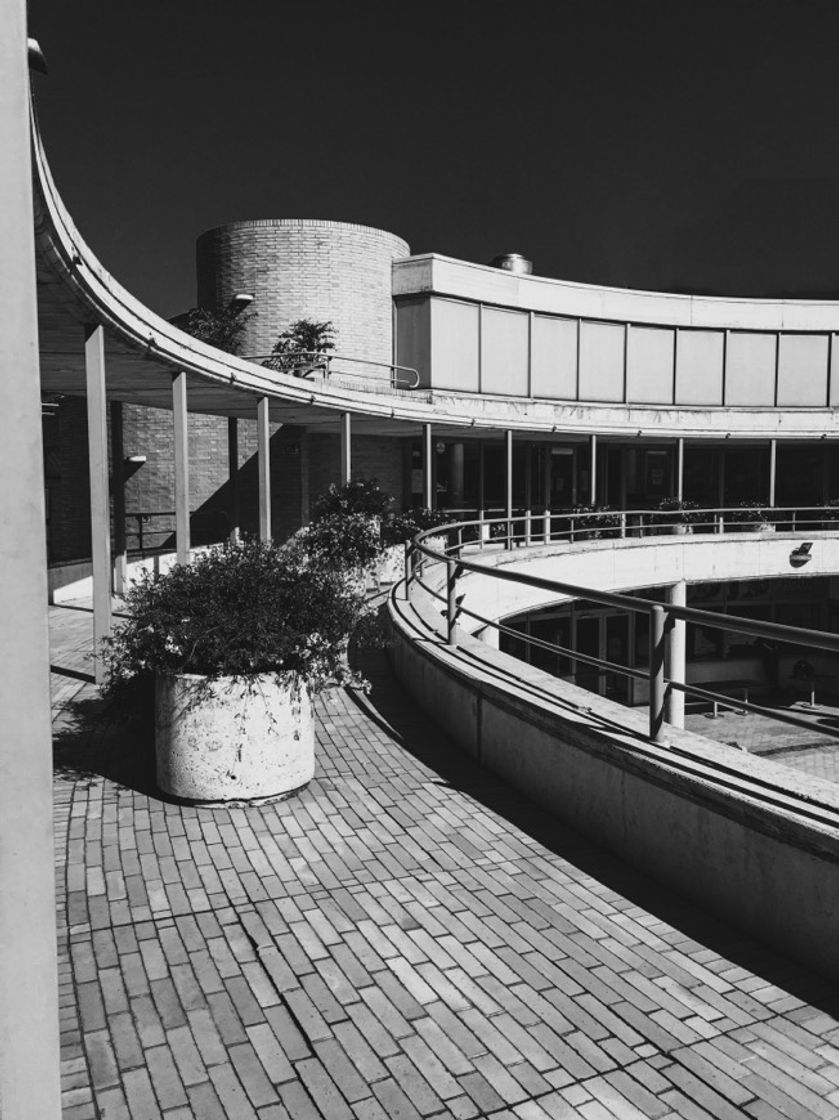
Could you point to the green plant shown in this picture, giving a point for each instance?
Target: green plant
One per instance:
(238, 610)
(298, 347)
(344, 542)
(595, 519)
(360, 495)
(400, 527)
(749, 512)
(222, 329)
(677, 511)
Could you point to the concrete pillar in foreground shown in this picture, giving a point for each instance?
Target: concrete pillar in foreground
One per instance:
(427, 469)
(547, 493)
(346, 448)
(118, 498)
(676, 657)
(100, 506)
(179, 417)
(773, 468)
(233, 476)
(263, 453)
(29, 1051)
(528, 491)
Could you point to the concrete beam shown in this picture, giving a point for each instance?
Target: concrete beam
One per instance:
(118, 498)
(346, 448)
(179, 418)
(263, 452)
(100, 510)
(29, 1040)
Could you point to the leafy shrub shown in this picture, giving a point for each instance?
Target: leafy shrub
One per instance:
(677, 511)
(749, 512)
(222, 329)
(361, 495)
(297, 349)
(343, 541)
(400, 527)
(237, 610)
(595, 519)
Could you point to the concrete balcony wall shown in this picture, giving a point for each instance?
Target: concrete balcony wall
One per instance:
(750, 840)
(478, 329)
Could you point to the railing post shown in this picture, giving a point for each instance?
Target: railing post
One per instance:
(623, 525)
(451, 602)
(657, 660)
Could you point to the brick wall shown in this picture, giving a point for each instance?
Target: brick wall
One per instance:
(305, 269)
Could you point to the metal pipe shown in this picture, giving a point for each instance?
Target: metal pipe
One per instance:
(657, 659)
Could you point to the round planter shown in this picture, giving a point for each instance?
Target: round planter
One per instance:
(233, 739)
(390, 566)
(680, 529)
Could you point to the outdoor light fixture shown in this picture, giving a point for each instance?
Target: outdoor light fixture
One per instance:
(136, 460)
(801, 555)
(36, 56)
(240, 301)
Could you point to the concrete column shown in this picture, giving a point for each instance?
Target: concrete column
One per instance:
(482, 501)
(346, 448)
(233, 476)
(773, 464)
(179, 420)
(547, 492)
(263, 455)
(427, 468)
(508, 474)
(100, 512)
(456, 473)
(676, 657)
(118, 498)
(528, 490)
(29, 1049)
(593, 471)
(680, 469)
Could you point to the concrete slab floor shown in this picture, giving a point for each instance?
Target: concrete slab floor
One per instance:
(408, 938)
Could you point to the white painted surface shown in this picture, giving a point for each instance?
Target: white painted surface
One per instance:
(233, 739)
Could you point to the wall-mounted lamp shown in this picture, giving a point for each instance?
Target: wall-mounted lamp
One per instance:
(132, 464)
(240, 301)
(36, 56)
(801, 555)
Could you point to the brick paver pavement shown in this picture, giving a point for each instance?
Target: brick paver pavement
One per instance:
(405, 939)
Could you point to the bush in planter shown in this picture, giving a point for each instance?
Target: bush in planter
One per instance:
(361, 495)
(751, 514)
(676, 512)
(595, 521)
(400, 527)
(349, 542)
(237, 642)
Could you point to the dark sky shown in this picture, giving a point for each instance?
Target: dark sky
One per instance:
(678, 144)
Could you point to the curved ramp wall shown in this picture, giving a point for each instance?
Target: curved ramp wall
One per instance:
(298, 268)
(749, 840)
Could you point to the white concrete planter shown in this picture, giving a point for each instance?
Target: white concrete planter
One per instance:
(233, 739)
(391, 564)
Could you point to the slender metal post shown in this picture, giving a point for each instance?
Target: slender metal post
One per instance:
(346, 448)
(593, 441)
(773, 460)
(179, 416)
(451, 600)
(547, 493)
(427, 468)
(508, 484)
(100, 514)
(676, 656)
(118, 498)
(29, 1028)
(263, 453)
(680, 469)
(233, 476)
(528, 491)
(657, 659)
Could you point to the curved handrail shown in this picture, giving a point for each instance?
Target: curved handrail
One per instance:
(320, 360)
(661, 615)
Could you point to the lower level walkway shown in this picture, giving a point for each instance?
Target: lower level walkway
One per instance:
(405, 939)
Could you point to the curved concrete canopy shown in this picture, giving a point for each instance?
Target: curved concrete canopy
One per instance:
(144, 350)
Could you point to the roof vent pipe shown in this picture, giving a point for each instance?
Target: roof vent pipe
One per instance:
(513, 262)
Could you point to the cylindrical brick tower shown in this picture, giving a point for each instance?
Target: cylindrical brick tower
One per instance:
(301, 268)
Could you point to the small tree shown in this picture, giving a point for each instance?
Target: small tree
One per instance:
(222, 329)
(297, 348)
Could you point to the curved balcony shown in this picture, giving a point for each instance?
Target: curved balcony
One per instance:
(746, 837)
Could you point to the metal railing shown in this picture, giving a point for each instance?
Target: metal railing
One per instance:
(481, 534)
(316, 363)
(144, 529)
